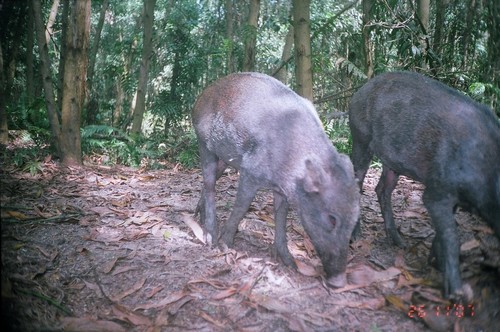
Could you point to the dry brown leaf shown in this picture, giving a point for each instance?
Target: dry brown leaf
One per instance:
(306, 269)
(137, 234)
(17, 215)
(265, 217)
(209, 319)
(226, 293)
(88, 324)
(102, 210)
(107, 267)
(365, 275)
(153, 291)
(121, 204)
(469, 245)
(52, 255)
(174, 297)
(122, 269)
(270, 303)
(126, 315)
(397, 302)
(138, 285)
(94, 287)
(195, 227)
(212, 282)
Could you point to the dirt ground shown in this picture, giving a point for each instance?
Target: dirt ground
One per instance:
(117, 249)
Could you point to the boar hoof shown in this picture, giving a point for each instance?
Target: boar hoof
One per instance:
(337, 281)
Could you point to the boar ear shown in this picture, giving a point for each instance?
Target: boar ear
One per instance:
(314, 177)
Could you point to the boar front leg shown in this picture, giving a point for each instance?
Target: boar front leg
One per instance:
(280, 242)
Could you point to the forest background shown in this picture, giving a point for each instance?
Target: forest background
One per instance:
(110, 82)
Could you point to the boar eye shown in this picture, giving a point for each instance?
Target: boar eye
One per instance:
(333, 220)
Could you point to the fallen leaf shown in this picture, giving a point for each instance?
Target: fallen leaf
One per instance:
(209, 319)
(397, 302)
(469, 245)
(126, 315)
(71, 324)
(270, 303)
(123, 269)
(94, 287)
(306, 269)
(107, 267)
(138, 285)
(154, 291)
(195, 227)
(174, 297)
(17, 215)
(226, 293)
(365, 275)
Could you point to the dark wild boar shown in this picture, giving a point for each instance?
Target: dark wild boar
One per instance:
(274, 137)
(431, 133)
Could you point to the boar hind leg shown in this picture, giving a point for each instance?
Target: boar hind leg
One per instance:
(445, 246)
(386, 184)
(280, 242)
(246, 192)
(361, 157)
(209, 163)
(200, 207)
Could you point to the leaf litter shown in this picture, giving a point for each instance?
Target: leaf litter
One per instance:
(117, 249)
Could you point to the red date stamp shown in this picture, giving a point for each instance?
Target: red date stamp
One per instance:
(452, 310)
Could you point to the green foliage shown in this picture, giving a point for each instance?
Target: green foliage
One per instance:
(191, 47)
(112, 143)
(181, 148)
(33, 167)
(339, 133)
(23, 156)
(116, 147)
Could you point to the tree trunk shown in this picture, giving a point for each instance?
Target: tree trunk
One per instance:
(468, 34)
(437, 42)
(251, 35)
(230, 36)
(285, 56)
(140, 105)
(367, 42)
(423, 15)
(302, 41)
(30, 43)
(62, 55)
(4, 129)
(492, 74)
(51, 20)
(75, 74)
(91, 107)
(46, 76)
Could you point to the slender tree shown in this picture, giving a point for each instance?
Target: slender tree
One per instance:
(4, 129)
(45, 65)
(91, 100)
(302, 41)
(423, 15)
(367, 42)
(229, 36)
(281, 74)
(75, 75)
(251, 35)
(140, 104)
(30, 43)
(50, 22)
(492, 72)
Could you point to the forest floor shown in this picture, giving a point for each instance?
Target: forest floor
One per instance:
(117, 249)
